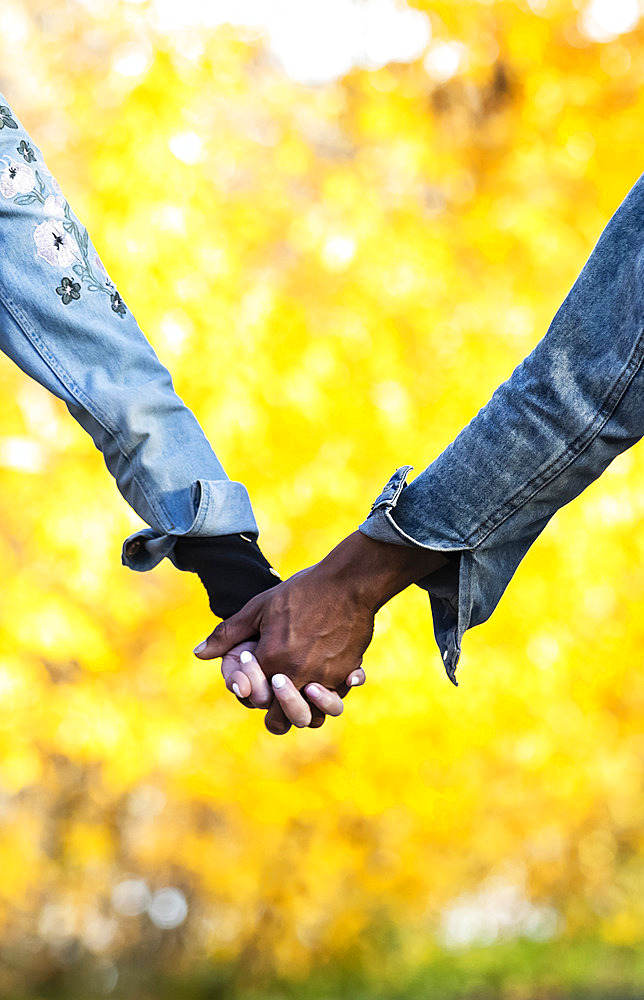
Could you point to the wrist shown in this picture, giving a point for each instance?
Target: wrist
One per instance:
(371, 572)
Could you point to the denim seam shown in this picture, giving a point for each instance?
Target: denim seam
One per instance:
(23, 323)
(570, 453)
(464, 611)
(389, 501)
(204, 502)
(422, 545)
(400, 486)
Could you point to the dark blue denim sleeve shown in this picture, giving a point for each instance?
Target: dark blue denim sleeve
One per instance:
(566, 412)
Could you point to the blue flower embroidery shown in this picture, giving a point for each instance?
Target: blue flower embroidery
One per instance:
(68, 290)
(6, 121)
(26, 150)
(118, 305)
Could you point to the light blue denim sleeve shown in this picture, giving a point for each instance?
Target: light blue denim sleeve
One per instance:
(65, 324)
(566, 412)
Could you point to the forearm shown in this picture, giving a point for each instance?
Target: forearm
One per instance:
(64, 323)
(574, 404)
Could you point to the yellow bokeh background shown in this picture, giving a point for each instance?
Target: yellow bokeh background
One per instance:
(338, 276)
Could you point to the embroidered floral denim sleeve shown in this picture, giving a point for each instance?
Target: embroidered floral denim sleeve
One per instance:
(64, 323)
(566, 412)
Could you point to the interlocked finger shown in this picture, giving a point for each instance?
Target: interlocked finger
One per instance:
(294, 706)
(328, 702)
(317, 716)
(261, 694)
(244, 677)
(275, 720)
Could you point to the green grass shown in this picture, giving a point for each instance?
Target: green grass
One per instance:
(558, 970)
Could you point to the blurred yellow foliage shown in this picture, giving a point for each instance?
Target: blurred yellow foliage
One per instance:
(337, 276)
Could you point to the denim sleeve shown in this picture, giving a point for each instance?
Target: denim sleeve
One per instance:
(566, 412)
(64, 323)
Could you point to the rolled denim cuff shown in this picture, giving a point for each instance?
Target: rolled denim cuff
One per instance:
(222, 508)
(381, 527)
(445, 586)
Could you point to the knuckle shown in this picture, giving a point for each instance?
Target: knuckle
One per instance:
(295, 672)
(270, 659)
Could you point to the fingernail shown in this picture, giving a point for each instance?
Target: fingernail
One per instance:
(236, 690)
(245, 656)
(200, 648)
(313, 690)
(354, 681)
(279, 680)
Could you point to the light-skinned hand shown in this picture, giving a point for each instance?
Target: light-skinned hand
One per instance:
(245, 678)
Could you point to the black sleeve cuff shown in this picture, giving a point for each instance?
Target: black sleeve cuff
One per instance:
(232, 568)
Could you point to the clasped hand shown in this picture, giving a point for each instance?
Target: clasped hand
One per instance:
(312, 637)
(297, 649)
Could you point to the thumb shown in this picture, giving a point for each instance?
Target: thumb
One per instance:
(239, 627)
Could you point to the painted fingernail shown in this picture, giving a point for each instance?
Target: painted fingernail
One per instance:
(354, 681)
(236, 690)
(200, 648)
(313, 690)
(245, 656)
(279, 680)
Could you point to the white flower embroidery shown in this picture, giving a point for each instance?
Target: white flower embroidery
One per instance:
(16, 178)
(54, 206)
(55, 244)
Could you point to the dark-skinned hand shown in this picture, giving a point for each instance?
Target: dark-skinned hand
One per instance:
(315, 627)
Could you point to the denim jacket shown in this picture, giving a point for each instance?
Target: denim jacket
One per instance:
(566, 412)
(65, 324)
